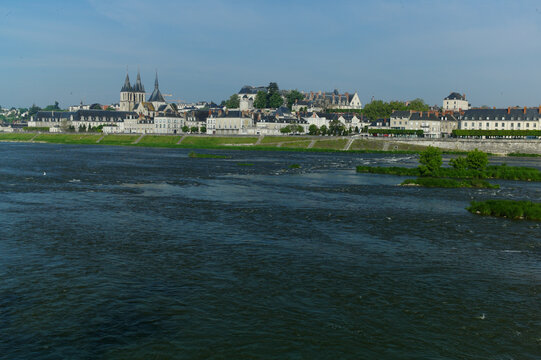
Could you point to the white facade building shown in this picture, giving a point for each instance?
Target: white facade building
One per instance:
(455, 102)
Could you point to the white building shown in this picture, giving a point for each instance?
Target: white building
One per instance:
(455, 102)
(168, 124)
(229, 123)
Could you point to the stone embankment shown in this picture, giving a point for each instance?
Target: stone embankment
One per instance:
(494, 146)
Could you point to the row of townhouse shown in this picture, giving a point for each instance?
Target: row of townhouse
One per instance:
(88, 118)
(435, 124)
(501, 119)
(217, 122)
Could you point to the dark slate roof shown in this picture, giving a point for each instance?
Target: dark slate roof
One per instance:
(455, 96)
(247, 89)
(424, 116)
(77, 115)
(127, 86)
(282, 111)
(400, 114)
(138, 85)
(502, 114)
(156, 94)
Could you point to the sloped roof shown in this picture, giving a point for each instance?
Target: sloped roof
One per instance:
(455, 96)
(127, 86)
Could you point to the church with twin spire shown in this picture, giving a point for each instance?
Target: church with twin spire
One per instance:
(132, 98)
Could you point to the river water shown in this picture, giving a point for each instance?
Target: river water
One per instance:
(139, 253)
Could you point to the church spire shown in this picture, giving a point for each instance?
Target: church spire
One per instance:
(138, 85)
(127, 86)
(156, 95)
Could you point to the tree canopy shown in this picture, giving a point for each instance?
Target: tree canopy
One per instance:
(233, 102)
(378, 109)
(292, 97)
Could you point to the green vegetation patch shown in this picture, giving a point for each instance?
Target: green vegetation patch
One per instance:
(245, 164)
(511, 209)
(279, 139)
(207, 156)
(337, 144)
(298, 144)
(207, 141)
(390, 170)
(517, 154)
(449, 183)
(68, 138)
(16, 136)
(159, 141)
(294, 166)
(119, 139)
(35, 128)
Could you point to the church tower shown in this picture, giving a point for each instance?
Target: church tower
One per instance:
(127, 96)
(139, 90)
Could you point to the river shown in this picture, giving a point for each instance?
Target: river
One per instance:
(143, 253)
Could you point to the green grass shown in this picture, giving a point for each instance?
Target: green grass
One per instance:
(391, 170)
(207, 156)
(337, 144)
(501, 172)
(68, 138)
(118, 139)
(278, 139)
(207, 141)
(298, 144)
(159, 140)
(507, 208)
(294, 166)
(245, 164)
(523, 155)
(450, 183)
(16, 136)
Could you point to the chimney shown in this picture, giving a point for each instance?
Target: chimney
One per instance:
(494, 108)
(509, 110)
(539, 111)
(525, 110)
(463, 96)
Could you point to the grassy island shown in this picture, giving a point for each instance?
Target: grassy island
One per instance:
(449, 183)
(473, 166)
(207, 156)
(510, 209)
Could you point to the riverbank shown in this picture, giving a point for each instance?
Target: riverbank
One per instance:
(266, 143)
(269, 143)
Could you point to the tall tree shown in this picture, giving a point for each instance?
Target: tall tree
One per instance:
(418, 105)
(276, 100)
(260, 101)
(292, 97)
(272, 88)
(233, 102)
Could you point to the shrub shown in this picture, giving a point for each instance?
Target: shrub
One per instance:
(477, 160)
(430, 160)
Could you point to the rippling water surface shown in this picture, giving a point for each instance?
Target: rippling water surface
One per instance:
(131, 253)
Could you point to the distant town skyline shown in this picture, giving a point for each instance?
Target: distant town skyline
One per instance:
(70, 51)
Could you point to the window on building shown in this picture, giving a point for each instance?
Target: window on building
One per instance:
(488, 124)
(503, 124)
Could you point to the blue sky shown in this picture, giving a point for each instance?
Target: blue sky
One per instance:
(206, 50)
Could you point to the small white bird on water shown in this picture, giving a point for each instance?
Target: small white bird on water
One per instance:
(44, 173)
